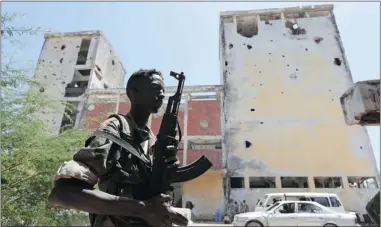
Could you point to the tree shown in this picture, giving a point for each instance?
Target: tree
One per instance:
(30, 155)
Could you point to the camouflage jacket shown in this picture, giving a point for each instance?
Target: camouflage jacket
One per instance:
(114, 169)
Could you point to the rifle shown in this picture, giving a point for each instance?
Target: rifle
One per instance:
(162, 176)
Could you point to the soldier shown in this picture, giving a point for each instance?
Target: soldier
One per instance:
(118, 173)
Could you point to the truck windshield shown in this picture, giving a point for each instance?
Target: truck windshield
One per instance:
(261, 201)
(271, 207)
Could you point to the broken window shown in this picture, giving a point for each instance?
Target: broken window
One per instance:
(85, 72)
(269, 16)
(237, 182)
(328, 182)
(320, 13)
(218, 146)
(294, 15)
(83, 51)
(69, 116)
(262, 182)
(76, 88)
(294, 182)
(362, 182)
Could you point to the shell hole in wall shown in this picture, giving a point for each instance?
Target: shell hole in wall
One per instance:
(247, 144)
(98, 68)
(295, 28)
(112, 62)
(231, 46)
(63, 47)
(337, 61)
(61, 60)
(249, 47)
(247, 26)
(252, 110)
(318, 39)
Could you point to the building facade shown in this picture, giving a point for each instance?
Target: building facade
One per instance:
(283, 72)
(274, 125)
(70, 63)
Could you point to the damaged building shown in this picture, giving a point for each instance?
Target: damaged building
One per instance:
(283, 72)
(69, 64)
(274, 125)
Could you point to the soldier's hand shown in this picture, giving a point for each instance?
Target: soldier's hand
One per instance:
(160, 214)
(172, 161)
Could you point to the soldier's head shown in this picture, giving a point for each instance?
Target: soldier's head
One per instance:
(145, 89)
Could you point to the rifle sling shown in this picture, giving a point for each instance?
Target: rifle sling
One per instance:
(123, 144)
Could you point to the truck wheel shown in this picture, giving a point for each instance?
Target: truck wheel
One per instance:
(254, 224)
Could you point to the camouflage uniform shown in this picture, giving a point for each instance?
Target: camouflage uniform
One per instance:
(114, 169)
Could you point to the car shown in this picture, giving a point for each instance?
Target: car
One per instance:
(296, 213)
(329, 200)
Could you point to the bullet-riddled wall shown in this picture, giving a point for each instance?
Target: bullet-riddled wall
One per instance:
(283, 72)
(72, 62)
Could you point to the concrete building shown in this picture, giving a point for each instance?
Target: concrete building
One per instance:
(70, 63)
(283, 72)
(276, 123)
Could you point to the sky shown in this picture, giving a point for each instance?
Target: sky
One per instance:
(179, 36)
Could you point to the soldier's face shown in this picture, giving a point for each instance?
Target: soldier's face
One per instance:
(151, 94)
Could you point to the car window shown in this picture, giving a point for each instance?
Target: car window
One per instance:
(286, 208)
(335, 202)
(309, 208)
(322, 201)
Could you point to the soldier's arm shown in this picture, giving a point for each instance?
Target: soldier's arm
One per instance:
(75, 180)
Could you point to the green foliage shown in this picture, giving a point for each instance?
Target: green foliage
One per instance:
(30, 156)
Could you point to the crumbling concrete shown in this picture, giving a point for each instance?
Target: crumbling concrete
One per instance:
(282, 95)
(69, 64)
(361, 103)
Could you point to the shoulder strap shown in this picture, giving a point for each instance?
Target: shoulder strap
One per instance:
(124, 127)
